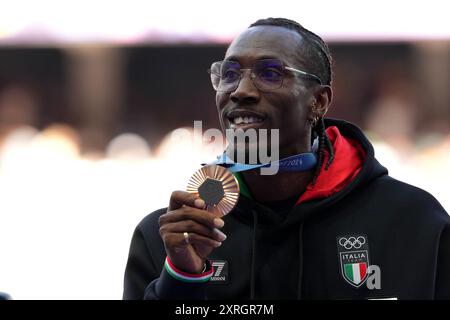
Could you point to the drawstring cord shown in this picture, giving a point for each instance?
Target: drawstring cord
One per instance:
(252, 275)
(300, 256)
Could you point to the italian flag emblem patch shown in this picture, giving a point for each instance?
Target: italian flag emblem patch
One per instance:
(353, 254)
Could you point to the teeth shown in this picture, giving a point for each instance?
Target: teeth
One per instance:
(246, 120)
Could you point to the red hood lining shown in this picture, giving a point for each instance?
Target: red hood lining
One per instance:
(349, 157)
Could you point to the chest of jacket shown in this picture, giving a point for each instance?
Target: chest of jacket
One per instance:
(357, 252)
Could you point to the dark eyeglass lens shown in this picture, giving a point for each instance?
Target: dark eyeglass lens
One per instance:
(269, 73)
(230, 71)
(229, 74)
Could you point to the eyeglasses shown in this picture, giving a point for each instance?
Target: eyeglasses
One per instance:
(266, 74)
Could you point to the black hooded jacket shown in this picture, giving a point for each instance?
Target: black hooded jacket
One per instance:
(375, 238)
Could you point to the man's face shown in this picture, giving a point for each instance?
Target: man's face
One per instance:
(286, 108)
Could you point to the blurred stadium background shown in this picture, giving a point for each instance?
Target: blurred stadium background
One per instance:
(92, 91)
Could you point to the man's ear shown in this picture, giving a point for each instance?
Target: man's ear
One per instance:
(323, 96)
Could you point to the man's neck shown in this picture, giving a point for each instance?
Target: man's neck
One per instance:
(277, 187)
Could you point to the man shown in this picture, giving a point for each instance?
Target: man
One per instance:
(344, 230)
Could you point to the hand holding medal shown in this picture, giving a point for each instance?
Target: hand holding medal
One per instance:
(190, 227)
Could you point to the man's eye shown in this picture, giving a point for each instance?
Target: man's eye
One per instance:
(271, 74)
(230, 75)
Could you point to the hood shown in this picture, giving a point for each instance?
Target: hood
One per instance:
(349, 157)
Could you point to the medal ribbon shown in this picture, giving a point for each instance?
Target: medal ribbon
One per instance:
(298, 162)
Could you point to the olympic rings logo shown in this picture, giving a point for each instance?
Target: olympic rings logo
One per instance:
(352, 242)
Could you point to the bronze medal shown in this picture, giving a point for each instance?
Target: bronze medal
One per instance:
(217, 186)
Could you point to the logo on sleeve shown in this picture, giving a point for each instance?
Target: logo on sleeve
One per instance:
(354, 259)
(220, 275)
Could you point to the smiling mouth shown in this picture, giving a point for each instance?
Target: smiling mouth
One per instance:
(245, 121)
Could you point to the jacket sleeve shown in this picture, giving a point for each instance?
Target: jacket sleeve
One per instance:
(166, 287)
(442, 285)
(147, 278)
(140, 269)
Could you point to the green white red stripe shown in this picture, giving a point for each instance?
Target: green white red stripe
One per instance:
(355, 272)
(188, 277)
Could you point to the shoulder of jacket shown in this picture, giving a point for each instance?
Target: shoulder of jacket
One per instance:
(149, 225)
(399, 193)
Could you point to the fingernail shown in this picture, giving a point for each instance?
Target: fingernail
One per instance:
(199, 203)
(220, 234)
(218, 222)
(218, 244)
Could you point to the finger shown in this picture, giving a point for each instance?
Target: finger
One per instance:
(187, 213)
(193, 227)
(180, 198)
(180, 240)
(194, 238)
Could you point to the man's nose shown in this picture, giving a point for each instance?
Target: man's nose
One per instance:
(246, 91)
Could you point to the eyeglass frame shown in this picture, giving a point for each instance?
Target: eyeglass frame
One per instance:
(253, 75)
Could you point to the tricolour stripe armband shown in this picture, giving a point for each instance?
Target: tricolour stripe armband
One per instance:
(189, 277)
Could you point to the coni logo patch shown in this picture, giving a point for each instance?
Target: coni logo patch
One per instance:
(353, 252)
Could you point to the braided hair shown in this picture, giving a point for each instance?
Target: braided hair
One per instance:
(319, 57)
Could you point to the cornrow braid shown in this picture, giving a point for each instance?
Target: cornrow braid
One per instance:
(324, 143)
